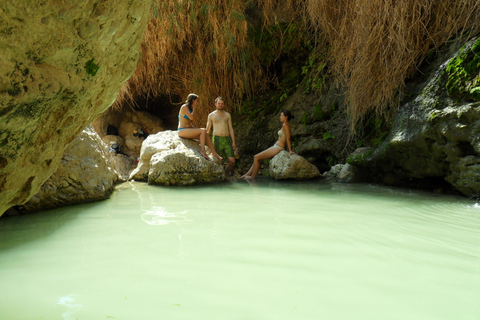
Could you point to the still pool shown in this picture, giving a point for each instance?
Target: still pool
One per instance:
(246, 251)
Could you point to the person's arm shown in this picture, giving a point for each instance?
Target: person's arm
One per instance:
(189, 114)
(232, 134)
(209, 123)
(287, 133)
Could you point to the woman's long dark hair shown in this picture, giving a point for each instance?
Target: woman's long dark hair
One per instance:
(191, 97)
(288, 114)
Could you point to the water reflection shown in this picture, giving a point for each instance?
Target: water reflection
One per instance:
(159, 216)
(266, 250)
(71, 305)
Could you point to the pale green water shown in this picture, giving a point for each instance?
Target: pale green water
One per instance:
(245, 251)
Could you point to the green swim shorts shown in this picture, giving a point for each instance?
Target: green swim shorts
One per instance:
(223, 146)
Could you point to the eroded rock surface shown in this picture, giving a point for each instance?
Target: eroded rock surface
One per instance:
(86, 173)
(128, 122)
(287, 166)
(61, 65)
(435, 137)
(167, 159)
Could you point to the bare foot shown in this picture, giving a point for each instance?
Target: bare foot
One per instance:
(246, 177)
(216, 155)
(204, 155)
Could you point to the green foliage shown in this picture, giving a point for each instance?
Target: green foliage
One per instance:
(463, 79)
(330, 161)
(328, 135)
(434, 115)
(315, 71)
(91, 68)
(276, 40)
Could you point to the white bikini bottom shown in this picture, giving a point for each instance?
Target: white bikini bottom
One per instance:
(277, 146)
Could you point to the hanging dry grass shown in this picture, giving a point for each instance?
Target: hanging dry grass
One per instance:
(207, 47)
(376, 44)
(196, 46)
(202, 47)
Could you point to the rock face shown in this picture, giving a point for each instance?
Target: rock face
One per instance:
(287, 166)
(61, 65)
(128, 122)
(435, 139)
(86, 173)
(167, 159)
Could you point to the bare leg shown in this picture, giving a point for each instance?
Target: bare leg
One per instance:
(211, 147)
(231, 163)
(202, 143)
(195, 133)
(249, 172)
(266, 154)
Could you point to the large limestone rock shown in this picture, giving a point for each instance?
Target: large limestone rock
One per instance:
(61, 65)
(435, 137)
(86, 173)
(287, 166)
(167, 159)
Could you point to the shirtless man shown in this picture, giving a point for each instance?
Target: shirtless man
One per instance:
(223, 135)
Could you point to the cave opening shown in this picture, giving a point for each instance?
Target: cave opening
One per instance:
(165, 107)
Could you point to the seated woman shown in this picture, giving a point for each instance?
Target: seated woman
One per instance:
(187, 130)
(284, 135)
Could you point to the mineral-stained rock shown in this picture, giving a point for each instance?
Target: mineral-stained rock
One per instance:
(62, 64)
(287, 166)
(86, 173)
(434, 139)
(167, 159)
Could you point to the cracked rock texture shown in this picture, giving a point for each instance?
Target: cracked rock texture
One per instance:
(61, 65)
(86, 173)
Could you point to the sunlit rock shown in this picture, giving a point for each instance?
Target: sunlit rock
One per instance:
(86, 173)
(62, 64)
(167, 159)
(287, 166)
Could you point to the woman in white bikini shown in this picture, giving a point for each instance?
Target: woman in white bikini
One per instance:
(284, 136)
(187, 130)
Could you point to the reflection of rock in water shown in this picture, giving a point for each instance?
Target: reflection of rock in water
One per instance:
(159, 216)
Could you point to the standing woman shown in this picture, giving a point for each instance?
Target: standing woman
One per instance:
(284, 136)
(187, 130)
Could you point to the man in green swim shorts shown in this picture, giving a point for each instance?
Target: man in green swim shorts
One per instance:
(223, 135)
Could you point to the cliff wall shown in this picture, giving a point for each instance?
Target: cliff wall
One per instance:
(61, 65)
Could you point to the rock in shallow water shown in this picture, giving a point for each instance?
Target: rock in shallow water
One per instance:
(167, 159)
(86, 173)
(287, 166)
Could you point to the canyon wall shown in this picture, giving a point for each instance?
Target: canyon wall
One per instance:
(61, 65)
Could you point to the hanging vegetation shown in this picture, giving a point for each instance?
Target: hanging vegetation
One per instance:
(218, 47)
(375, 45)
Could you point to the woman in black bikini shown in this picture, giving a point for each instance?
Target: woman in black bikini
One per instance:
(284, 136)
(187, 130)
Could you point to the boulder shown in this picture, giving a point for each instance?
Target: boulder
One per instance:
(133, 145)
(167, 159)
(287, 166)
(333, 172)
(128, 121)
(86, 173)
(110, 139)
(434, 139)
(62, 64)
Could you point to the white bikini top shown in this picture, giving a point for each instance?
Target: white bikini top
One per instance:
(280, 133)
